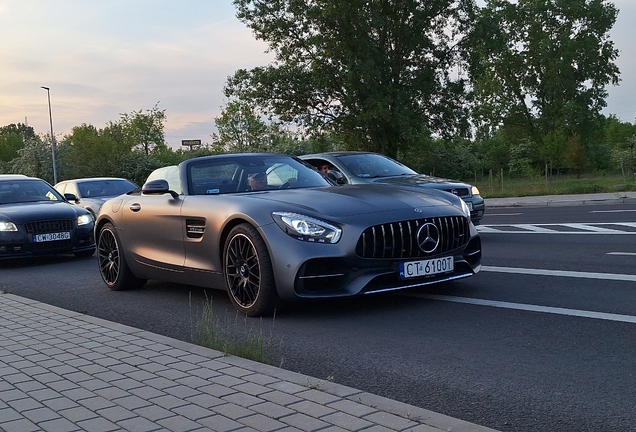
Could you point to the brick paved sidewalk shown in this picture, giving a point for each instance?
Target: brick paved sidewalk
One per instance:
(63, 371)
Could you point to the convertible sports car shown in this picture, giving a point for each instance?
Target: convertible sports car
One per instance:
(365, 167)
(36, 220)
(267, 227)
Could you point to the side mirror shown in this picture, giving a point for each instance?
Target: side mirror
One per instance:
(71, 197)
(337, 177)
(158, 187)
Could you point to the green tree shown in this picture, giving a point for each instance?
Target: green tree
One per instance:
(12, 139)
(541, 67)
(35, 159)
(620, 137)
(10, 143)
(144, 128)
(91, 152)
(240, 130)
(21, 129)
(375, 73)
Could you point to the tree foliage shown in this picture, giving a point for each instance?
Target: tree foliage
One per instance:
(377, 73)
(35, 159)
(143, 129)
(12, 139)
(541, 67)
(240, 129)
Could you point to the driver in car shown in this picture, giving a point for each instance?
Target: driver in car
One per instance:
(257, 181)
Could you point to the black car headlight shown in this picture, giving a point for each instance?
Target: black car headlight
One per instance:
(465, 208)
(307, 228)
(8, 227)
(84, 219)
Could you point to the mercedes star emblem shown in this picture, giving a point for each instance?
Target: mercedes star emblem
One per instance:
(428, 237)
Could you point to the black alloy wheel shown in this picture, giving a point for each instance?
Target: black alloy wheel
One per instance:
(112, 263)
(248, 272)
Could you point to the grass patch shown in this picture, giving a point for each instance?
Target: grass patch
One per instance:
(562, 185)
(235, 335)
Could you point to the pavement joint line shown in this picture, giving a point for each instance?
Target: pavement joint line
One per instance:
(94, 383)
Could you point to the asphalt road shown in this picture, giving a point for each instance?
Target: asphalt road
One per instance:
(541, 340)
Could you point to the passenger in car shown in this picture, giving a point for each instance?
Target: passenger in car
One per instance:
(324, 168)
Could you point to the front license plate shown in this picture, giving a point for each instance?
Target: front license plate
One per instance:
(429, 267)
(38, 238)
(470, 205)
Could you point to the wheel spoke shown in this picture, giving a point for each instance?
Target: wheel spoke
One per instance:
(242, 270)
(108, 257)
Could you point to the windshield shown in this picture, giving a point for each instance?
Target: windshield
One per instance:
(247, 173)
(105, 188)
(370, 165)
(30, 190)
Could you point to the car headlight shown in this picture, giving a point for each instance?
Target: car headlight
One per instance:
(84, 219)
(465, 208)
(474, 190)
(307, 228)
(8, 227)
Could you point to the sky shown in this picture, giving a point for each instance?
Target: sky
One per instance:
(101, 59)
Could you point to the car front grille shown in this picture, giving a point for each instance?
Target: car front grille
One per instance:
(49, 226)
(460, 192)
(399, 239)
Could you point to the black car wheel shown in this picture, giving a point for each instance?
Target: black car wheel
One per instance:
(112, 262)
(248, 272)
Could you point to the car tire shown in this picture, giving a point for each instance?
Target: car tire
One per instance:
(112, 261)
(248, 273)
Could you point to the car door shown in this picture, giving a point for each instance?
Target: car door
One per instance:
(153, 230)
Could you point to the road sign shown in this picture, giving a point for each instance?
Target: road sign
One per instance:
(191, 142)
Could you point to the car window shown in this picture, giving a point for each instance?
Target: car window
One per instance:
(70, 188)
(104, 188)
(170, 174)
(24, 191)
(373, 166)
(212, 176)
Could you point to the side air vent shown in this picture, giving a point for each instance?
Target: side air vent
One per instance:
(195, 228)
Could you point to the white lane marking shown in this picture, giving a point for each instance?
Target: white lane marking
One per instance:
(533, 228)
(504, 214)
(487, 229)
(613, 211)
(578, 228)
(588, 227)
(530, 308)
(627, 224)
(622, 253)
(561, 273)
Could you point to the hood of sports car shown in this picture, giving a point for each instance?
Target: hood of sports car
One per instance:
(421, 180)
(348, 200)
(22, 212)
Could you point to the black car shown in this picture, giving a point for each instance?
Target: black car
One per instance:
(36, 220)
(266, 227)
(92, 192)
(364, 167)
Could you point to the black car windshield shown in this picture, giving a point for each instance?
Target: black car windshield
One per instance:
(105, 188)
(247, 173)
(371, 165)
(28, 190)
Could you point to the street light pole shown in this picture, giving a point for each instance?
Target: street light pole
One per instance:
(48, 91)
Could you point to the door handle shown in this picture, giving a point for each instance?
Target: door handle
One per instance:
(135, 207)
